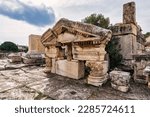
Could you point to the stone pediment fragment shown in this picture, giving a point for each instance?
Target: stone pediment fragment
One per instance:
(75, 31)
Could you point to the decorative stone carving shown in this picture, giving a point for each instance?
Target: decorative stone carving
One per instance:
(120, 29)
(98, 72)
(77, 42)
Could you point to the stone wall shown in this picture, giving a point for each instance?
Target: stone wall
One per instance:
(35, 44)
(129, 34)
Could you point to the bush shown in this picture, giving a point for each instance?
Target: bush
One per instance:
(113, 49)
(9, 47)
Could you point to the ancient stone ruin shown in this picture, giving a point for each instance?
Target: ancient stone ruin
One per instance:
(131, 40)
(70, 46)
(35, 44)
(35, 54)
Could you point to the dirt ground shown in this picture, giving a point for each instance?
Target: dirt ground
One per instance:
(22, 82)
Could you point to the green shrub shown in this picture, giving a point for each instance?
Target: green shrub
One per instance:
(113, 49)
(9, 47)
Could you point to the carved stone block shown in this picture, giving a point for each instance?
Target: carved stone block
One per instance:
(72, 69)
(129, 13)
(127, 44)
(98, 72)
(122, 29)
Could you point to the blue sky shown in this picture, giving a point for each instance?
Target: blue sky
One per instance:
(20, 18)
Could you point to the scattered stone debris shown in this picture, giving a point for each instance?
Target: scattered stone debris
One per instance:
(15, 57)
(34, 58)
(98, 73)
(120, 80)
(141, 71)
(30, 83)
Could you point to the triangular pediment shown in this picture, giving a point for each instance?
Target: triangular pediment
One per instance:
(66, 31)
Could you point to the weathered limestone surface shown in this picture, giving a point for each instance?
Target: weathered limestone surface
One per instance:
(98, 72)
(70, 41)
(120, 80)
(147, 72)
(128, 46)
(141, 73)
(35, 44)
(48, 66)
(15, 57)
(122, 29)
(129, 35)
(91, 52)
(33, 58)
(31, 83)
(129, 13)
(127, 38)
(147, 44)
(72, 69)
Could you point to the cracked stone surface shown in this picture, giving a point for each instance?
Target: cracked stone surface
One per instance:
(23, 82)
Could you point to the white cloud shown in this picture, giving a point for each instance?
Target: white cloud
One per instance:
(18, 31)
(11, 4)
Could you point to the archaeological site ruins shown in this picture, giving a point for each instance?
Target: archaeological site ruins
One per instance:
(75, 52)
(71, 47)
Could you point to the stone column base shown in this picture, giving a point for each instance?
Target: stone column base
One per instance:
(97, 81)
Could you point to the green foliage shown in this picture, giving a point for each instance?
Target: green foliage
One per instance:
(8, 47)
(113, 49)
(98, 20)
(26, 50)
(146, 34)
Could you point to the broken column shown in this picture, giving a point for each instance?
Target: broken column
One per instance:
(120, 80)
(98, 72)
(48, 66)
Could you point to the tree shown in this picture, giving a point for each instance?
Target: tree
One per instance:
(9, 47)
(146, 34)
(98, 20)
